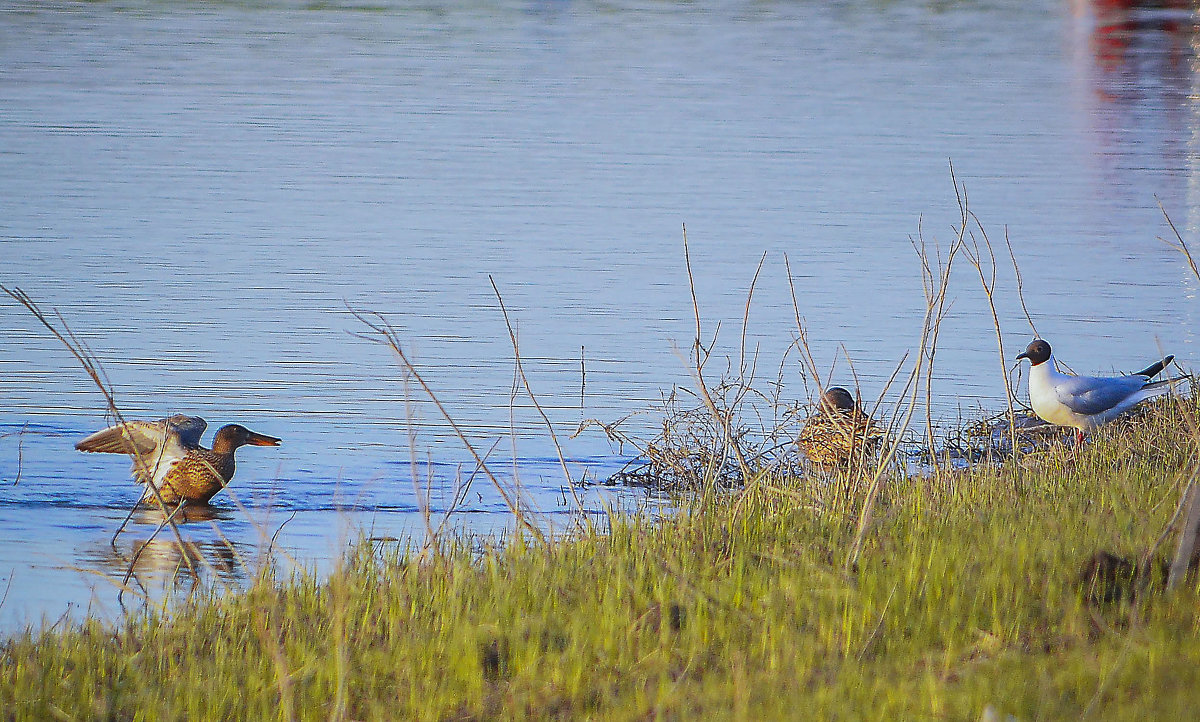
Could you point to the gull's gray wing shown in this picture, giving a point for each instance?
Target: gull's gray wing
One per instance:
(1091, 395)
(144, 437)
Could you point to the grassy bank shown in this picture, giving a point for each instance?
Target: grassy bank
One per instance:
(965, 598)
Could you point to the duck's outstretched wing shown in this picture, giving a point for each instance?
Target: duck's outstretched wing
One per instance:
(144, 437)
(156, 446)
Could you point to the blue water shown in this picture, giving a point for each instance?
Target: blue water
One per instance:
(204, 192)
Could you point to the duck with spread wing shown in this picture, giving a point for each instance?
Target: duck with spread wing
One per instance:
(167, 455)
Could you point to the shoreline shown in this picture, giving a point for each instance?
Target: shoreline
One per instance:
(966, 597)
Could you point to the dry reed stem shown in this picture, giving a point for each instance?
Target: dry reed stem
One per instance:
(413, 469)
(1020, 283)
(7, 586)
(261, 527)
(137, 554)
(746, 376)
(91, 365)
(922, 249)
(744, 382)
(20, 450)
(935, 286)
(1179, 244)
(988, 282)
(234, 552)
(801, 343)
(810, 368)
(702, 355)
(122, 586)
(1190, 497)
(513, 390)
(390, 338)
(520, 369)
(460, 492)
(746, 313)
(1189, 500)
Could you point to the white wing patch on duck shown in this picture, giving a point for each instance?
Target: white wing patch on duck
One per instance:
(155, 446)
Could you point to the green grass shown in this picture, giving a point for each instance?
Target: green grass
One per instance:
(965, 597)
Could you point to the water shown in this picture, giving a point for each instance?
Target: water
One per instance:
(204, 191)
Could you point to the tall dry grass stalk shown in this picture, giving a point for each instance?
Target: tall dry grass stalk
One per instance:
(936, 272)
(701, 354)
(20, 450)
(92, 367)
(860, 462)
(983, 259)
(1188, 507)
(520, 369)
(935, 281)
(385, 334)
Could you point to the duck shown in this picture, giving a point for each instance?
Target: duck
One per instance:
(168, 457)
(1086, 402)
(839, 433)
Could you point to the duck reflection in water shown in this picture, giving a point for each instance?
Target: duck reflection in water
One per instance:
(188, 513)
(162, 561)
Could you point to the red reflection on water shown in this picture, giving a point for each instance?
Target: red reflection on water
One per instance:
(1147, 40)
(1137, 118)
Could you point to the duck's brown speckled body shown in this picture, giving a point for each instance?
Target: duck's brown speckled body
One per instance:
(839, 433)
(167, 455)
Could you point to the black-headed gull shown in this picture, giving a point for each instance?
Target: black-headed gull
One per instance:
(1085, 402)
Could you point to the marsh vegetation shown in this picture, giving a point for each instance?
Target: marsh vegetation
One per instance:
(1046, 582)
(967, 596)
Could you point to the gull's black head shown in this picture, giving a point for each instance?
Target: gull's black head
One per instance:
(837, 398)
(1037, 352)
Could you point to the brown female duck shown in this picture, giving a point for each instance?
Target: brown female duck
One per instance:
(839, 433)
(167, 455)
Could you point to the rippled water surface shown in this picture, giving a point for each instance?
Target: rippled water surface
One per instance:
(205, 191)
